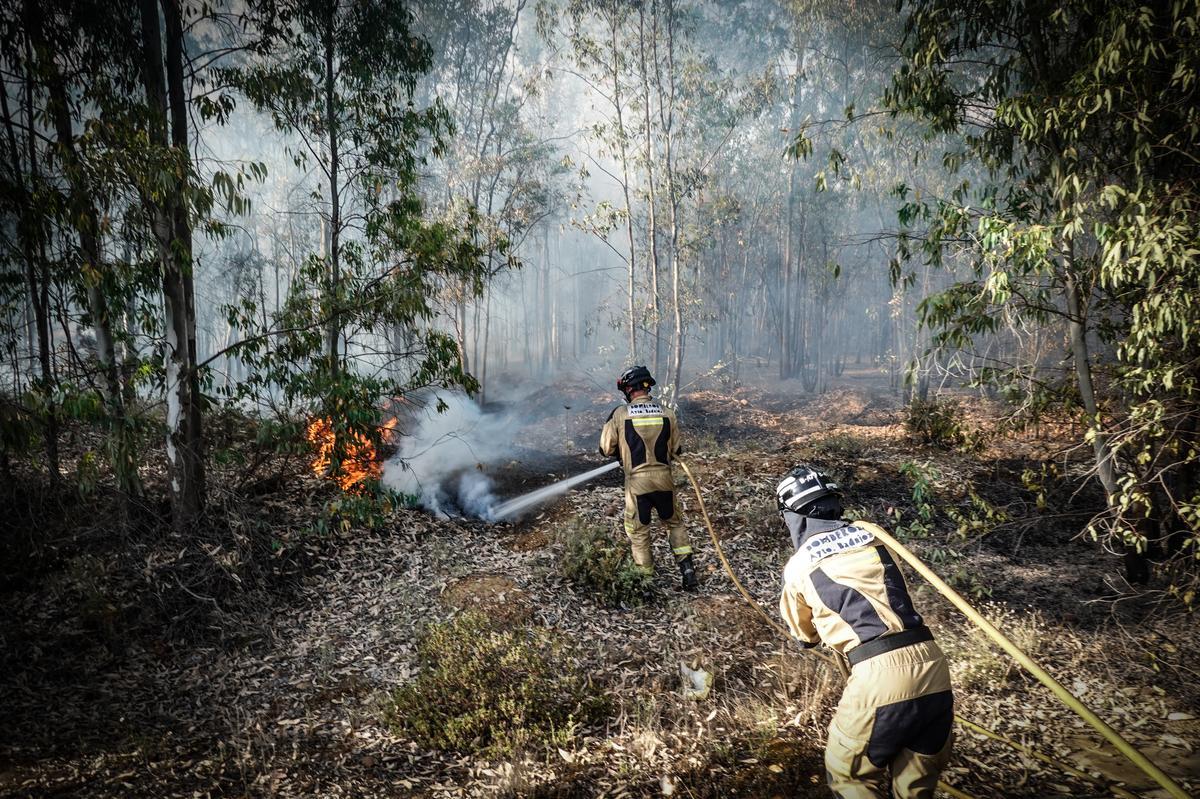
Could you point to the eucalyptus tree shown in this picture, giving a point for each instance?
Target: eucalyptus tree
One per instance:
(26, 258)
(83, 117)
(1084, 116)
(107, 99)
(500, 161)
(331, 78)
(339, 77)
(173, 195)
(599, 35)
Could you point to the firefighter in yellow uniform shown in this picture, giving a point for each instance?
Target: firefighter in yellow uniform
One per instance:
(647, 437)
(843, 587)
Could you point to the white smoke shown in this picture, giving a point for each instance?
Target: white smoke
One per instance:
(443, 456)
(475, 495)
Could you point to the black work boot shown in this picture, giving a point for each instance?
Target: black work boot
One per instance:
(687, 568)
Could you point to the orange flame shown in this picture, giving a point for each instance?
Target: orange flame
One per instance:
(360, 461)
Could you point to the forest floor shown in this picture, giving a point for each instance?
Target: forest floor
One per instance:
(288, 690)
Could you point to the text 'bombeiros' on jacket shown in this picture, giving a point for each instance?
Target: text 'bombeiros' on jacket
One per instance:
(842, 586)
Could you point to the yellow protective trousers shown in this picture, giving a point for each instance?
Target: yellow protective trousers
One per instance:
(892, 725)
(638, 509)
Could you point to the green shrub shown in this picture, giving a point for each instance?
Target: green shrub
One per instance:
(937, 422)
(496, 692)
(977, 519)
(924, 478)
(592, 558)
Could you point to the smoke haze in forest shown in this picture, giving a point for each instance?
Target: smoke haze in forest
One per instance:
(295, 216)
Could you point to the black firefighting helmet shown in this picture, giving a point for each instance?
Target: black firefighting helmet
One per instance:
(802, 487)
(634, 378)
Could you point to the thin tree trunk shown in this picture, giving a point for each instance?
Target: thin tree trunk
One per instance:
(460, 325)
(183, 247)
(1077, 324)
(87, 225)
(30, 232)
(651, 226)
(481, 361)
(333, 331)
(616, 78)
(183, 466)
(673, 195)
(546, 309)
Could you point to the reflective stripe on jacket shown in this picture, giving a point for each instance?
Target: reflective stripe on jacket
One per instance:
(647, 437)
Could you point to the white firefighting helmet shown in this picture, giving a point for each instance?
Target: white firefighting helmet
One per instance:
(803, 486)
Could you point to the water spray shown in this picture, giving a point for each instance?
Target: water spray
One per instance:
(514, 506)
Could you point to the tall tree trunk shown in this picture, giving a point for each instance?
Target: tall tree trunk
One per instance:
(546, 311)
(794, 344)
(86, 222)
(651, 226)
(172, 14)
(333, 331)
(621, 150)
(1077, 324)
(673, 206)
(1137, 567)
(481, 362)
(460, 328)
(184, 466)
(37, 275)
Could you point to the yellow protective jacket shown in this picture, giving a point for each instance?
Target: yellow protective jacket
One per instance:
(843, 586)
(647, 437)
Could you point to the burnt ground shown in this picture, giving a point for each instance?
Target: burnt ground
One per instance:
(280, 690)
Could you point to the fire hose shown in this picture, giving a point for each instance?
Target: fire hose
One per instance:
(1127, 749)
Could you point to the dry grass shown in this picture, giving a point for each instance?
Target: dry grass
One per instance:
(977, 664)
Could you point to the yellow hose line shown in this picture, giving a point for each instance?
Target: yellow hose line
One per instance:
(977, 619)
(774, 625)
(1066, 697)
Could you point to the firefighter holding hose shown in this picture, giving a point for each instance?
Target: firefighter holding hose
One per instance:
(844, 588)
(647, 437)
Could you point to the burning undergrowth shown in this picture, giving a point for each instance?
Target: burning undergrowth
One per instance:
(452, 457)
(356, 464)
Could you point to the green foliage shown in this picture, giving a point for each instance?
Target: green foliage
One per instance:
(87, 473)
(1086, 217)
(976, 519)
(383, 278)
(18, 429)
(954, 567)
(496, 692)
(370, 507)
(979, 517)
(923, 477)
(591, 557)
(938, 422)
(1040, 482)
